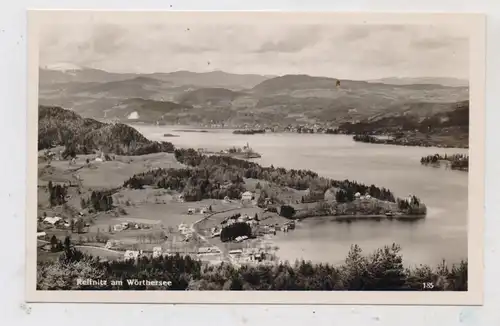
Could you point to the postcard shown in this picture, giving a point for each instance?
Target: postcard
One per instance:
(255, 157)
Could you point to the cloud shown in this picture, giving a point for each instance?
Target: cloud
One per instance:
(342, 51)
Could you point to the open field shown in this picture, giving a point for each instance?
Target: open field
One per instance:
(107, 174)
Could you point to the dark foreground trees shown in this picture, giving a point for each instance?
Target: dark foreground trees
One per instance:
(381, 270)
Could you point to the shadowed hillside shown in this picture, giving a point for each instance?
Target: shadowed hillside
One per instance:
(210, 96)
(456, 115)
(57, 126)
(443, 129)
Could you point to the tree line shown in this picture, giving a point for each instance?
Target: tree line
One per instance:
(195, 184)
(100, 200)
(57, 194)
(381, 270)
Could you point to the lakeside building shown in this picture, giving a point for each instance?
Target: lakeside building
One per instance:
(52, 220)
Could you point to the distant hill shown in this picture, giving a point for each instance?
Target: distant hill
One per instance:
(219, 98)
(143, 87)
(82, 75)
(455, 116)
(145, 110)
(57, 126)
(217, 79)
(288, 83)
(222, 79)
(209, 96)
(294, 82)
(449, 82)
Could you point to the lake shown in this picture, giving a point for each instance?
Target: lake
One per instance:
(442, 235)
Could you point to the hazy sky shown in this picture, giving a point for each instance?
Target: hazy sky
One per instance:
(340, 51)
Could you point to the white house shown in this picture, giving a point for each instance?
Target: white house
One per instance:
(357, 195)
(52, 220)
(131, 254)
(236, 252)
(247, 196)
(118, 228)
(40, 234)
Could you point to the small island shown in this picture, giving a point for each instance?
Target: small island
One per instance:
(249, 131)
(455, 162)
(170, 135)
(245, 152)
(190, 130)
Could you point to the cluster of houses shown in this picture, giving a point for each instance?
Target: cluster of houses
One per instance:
(159, 252)
(248, 254)
(57, 221)
(186, 231)
(208, 250)
(246, 198)
(128, 226)
(250, 220)
(203, 210)
(136, 254)
(358, 196)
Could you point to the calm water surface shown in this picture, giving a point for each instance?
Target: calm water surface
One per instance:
(443, 234)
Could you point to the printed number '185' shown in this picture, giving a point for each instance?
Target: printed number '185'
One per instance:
(428, 285)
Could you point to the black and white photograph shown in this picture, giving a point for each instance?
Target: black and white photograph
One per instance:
(260, 152)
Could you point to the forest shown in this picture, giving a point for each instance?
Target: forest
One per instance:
(381, 270)
(60, 127)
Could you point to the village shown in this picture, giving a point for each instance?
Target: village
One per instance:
(83, 198)
(151, 222)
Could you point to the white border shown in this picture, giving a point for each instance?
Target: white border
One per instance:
(474, 23)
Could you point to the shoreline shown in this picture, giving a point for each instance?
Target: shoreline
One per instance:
(198, 129)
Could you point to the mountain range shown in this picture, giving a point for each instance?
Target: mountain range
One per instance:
(237, 100)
